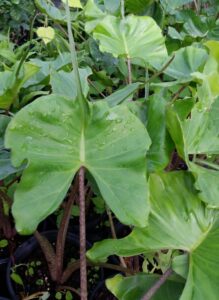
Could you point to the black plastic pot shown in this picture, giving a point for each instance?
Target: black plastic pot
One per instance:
(3, 286)
(27, 248)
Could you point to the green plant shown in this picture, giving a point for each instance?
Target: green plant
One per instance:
(158, 114)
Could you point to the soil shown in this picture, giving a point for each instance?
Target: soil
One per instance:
(36, 278)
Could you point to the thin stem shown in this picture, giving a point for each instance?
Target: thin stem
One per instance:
(161, 70)
(96, 88)
(207, 163)
(48, 252)
(129, 70)
(113, 232)
(152, 291)
(74, 266)
(196, 3)
(65, 287)
(176, 95)
(123, 9)
(61, 237)
(82, 100)
(129, 65)
(82, 221)
(146, 88)
(35, 295)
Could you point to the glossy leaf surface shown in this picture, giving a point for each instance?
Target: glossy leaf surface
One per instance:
(49, 134)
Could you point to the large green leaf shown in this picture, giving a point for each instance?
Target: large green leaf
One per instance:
(134, 37)
(49, 134)
(178, 220)
(134, 287)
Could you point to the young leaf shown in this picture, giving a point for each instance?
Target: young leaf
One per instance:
(138, 38)
(17, 278)
(73, 3)
(49, 133)
(47, 34)
(3, 243)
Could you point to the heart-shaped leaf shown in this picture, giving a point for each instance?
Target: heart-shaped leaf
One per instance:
(178, 220)
(50, 134)
(138, 38)
(47, 34)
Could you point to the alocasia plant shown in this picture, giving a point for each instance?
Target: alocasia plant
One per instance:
(64, 133)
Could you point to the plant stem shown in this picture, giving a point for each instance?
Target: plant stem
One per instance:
(129, 70)
(65, 287)
(82, 100)
(82, 221)
(113, 232)
(207, 163)
(146, 88)
(150, 293)
(48, 252)
(123, 9)
(74, 266)
(35, 296)
(196, 3)
(161, 70)
(61, 237)
(176, 95)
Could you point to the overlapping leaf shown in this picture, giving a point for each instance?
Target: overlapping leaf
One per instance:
(50, 135)
(137, 38)
(178, 220)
